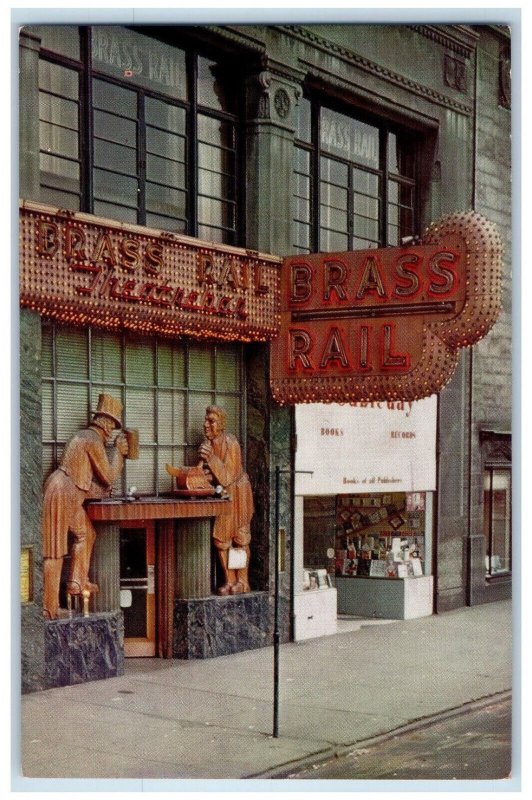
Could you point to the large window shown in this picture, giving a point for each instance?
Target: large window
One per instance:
(135, 129)
(355, 182)
(164, 386)
(497, 520)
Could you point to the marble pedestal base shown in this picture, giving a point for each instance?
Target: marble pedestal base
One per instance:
(217, 626)
(84, 648)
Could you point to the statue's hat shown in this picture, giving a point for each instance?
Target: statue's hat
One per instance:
(110, 407)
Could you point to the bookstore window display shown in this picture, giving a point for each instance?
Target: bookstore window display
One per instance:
(380, 535)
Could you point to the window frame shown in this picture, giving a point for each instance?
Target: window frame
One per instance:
(496, 456)
(384, 174)
(230, 234)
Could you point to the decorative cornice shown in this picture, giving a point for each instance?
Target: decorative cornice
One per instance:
(459, 38)
(377, 70)
(237, 37)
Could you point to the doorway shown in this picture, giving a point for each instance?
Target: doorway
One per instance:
(137, 588)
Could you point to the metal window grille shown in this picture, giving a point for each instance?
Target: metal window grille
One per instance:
(164, 385)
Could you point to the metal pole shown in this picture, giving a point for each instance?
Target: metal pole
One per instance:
(276, 634)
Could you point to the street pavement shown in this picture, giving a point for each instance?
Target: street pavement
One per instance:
(212, 720)
(473, 743)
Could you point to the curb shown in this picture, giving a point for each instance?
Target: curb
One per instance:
(322, 756)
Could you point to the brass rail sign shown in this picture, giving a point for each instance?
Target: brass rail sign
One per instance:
(387, 323)
(83, 270)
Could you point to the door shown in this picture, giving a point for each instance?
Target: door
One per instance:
(137, 588)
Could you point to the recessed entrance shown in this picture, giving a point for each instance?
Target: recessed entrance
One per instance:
(137, 588)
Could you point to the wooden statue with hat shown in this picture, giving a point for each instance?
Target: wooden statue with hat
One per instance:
(85, 472)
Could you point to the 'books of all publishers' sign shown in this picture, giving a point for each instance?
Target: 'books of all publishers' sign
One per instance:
(402, 456)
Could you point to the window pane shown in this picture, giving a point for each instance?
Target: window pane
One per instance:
(170, 365)
(303, 129)
(366, 182)
(215, 212)
(114, 187)
(47, 412)
(109, 97)
(333, 218)
(302, 237)
(231, 405)
(72, 409)
(56, 139)
(215, 184)
(332, 241)
(349, 138)
(59, 80)
(106, 357)
(163, 170)
(215, 131)
(366, 228)
(497, 519)
(227, 370)
(213, 158)
(301, 160)
(141, 473)
(59, 173)
(171, 418)
(139, 59)
(201, 373)
(114, 128)
(62, 39)
(166, 201)
(333, 196)
(72, 354)
(115, 156)
(58, 110)
(217, 235)
(301, 209)
(139, 412)
(140, 362)
(163, 223)
(198, 402)
(119, 213)
(165, 144)
(302, 185)
(164, 115)
(215, 89)
(333, 171)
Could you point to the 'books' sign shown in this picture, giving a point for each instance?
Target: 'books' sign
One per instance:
(386, 324)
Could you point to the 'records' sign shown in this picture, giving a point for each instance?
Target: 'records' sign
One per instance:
(82, 270)
(387, 323)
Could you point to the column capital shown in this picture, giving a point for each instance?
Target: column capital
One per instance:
(273, 94)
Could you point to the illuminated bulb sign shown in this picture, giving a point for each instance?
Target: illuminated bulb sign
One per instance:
(386, 323)
(82, 270)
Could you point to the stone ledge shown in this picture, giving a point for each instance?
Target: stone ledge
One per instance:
(84, 649)
(217, 626)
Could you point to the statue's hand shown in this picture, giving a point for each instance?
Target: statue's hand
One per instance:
(205, 451)
(121, 444)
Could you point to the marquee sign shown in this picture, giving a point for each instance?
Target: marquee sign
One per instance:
(83, 270)
(387, 323)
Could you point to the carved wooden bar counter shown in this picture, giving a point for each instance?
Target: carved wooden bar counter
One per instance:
(118, 510)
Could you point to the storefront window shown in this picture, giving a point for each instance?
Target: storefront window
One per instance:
(354, 182)
(367, 535)
(497, 520)
(141, 164)
(164, 386)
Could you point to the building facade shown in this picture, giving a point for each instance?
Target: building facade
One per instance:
(250, 140)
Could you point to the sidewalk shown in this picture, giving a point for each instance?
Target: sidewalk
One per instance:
(213, 719)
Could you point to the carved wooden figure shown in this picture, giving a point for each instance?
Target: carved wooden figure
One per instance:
(221, 465)
(222, 456)
(84, 472)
